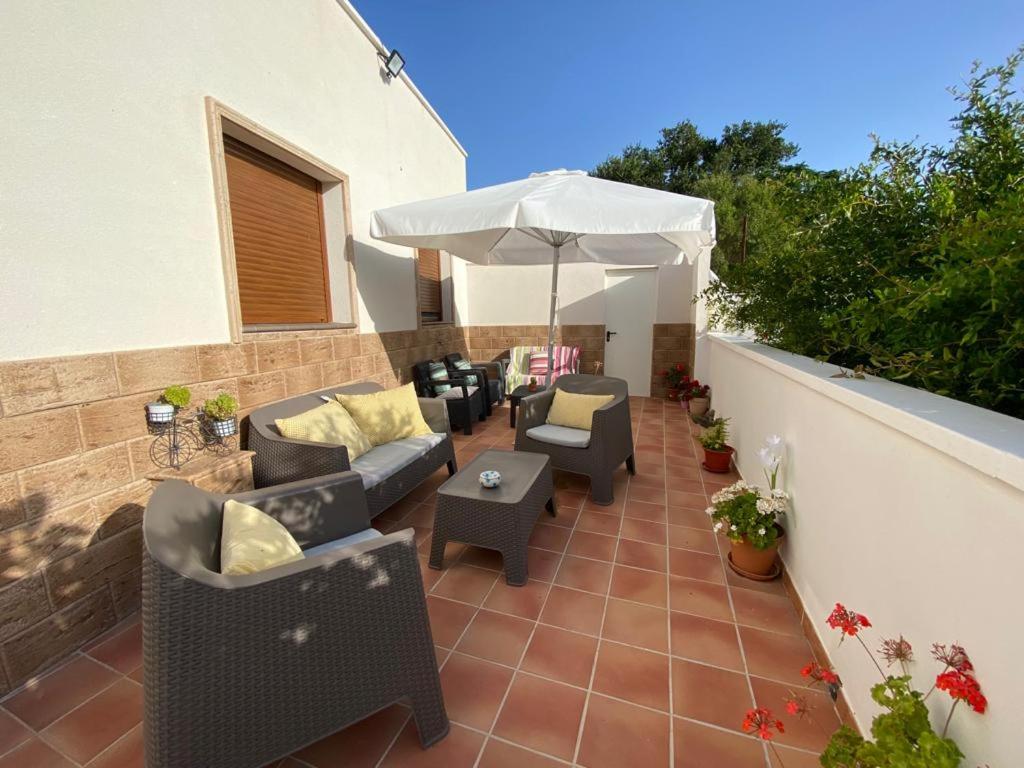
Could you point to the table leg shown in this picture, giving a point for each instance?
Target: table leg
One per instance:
(516, 573)
(437, 545)
(551, 508)
(513, 402)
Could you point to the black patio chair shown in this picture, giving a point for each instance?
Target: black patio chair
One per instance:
(488, 374)
(465, 402)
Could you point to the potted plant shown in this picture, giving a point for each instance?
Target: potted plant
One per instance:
(697, 397)
(749, 517)
(220, 415)
(532, 386)
(717, 452)
(675, 378)
(173, 398)
(902, 733)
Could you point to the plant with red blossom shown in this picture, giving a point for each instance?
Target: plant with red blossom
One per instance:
(675, 376)
(850, 622)
(897, 651)
(763, 724)
(693, 388)
(820, 674)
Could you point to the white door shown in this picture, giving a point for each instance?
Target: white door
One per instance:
(629, 302)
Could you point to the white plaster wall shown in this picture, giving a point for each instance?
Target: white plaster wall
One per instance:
(907, 507)
(506, 295)
(108, 229)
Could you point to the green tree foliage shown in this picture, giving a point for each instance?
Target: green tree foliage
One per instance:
(910, 264)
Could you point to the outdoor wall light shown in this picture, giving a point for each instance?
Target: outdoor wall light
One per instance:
(393, 63)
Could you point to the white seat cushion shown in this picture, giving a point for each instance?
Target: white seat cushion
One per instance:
(348, 541)
(455, 393)
(556, 435)
(378, 464)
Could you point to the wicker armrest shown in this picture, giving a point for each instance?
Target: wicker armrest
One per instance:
(316, 510)
(533, 410)
(435, 413)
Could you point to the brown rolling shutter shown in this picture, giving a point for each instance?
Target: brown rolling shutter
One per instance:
(429, 284)
(280, 250)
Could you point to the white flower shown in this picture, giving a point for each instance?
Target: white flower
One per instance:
(764, 506)
(774, 443)
(710, 511)
(719, 526)
(778, 493)
(733, 528)
(761, 531)
(768, 459)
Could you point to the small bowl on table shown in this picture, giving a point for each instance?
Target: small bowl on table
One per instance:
(490, 478)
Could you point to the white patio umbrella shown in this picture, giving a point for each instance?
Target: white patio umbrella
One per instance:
(553, 217)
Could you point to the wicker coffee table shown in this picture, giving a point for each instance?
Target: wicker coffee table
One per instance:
(495, 518)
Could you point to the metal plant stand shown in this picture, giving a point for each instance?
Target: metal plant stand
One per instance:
(181, 439)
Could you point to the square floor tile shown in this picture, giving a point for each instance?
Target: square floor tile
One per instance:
(697, 539)
(496, 637)
(645, 493)
(459, 749)
(617, 734)
(542, 715)
(58, 692)
(709, 694)
(638, 554)
(12, 733)
(766, 611)
(632, 674)
(499, 754)
(473, 690)
(126, 752)
(122, 651)
(598, 522)
(707, 640)
(465, 583)
(639, 586)
(695, 565)
(361, 745)
(549, 537)
(34, 753)
(592, 545)
(448, 619)
(524, 602)
(774, 587)
(643, 530)
(588, 575)
(641, 625)
(642, 510)
(692, 518)
(776, 656)
(699, 597)
(570, 609)
(558, 654)
(86, 731)
(542, 563)
(698, 746)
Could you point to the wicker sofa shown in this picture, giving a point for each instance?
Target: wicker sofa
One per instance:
(596, 453)
(388, 472)
(241, 671)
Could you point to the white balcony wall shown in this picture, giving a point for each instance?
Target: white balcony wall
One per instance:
(108, 225)
(511, 295)
(907, 507)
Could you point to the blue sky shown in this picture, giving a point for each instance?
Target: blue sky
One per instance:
(531, 85)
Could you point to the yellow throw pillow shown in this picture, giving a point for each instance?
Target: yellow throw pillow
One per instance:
(252, 541)
(330, 423)
(387, 416)
(577, 411)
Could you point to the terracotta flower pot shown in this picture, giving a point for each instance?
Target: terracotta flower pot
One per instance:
(699, 406)
(672, 394)
(718, 461)
(753, 563)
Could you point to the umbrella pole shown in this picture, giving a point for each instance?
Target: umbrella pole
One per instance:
(551, 317)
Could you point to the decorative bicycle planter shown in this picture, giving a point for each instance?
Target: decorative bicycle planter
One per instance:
(179, 437)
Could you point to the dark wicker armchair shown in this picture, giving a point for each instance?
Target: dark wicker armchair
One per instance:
(282, 460)
(597, 454)
(241, 671)
(491, 373)
(465, 402)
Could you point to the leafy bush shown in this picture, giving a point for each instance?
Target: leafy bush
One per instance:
(178, 396)
(716, 436)
(911, 264)
(222, 407)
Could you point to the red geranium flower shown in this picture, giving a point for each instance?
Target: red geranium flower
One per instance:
(797, 705)
(962, 687)
(762, 721)
(664, 373)
(820, 674)
(679, 367)
(850, 622)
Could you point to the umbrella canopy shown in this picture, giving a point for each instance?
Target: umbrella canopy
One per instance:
(552, 217)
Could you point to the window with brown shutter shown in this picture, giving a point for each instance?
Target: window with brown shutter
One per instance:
(279, 242)
(428, 285)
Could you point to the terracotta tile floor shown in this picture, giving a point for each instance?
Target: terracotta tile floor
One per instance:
(629, 646)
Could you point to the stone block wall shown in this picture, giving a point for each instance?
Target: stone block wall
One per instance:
(74, 458)
(673, 343)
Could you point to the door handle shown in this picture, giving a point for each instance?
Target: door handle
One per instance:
(608, 335)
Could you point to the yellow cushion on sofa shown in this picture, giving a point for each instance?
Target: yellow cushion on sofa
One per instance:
(384, 417)
(253, 541)
(329, 423)
(569, 409)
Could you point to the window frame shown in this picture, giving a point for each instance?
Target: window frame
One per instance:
(446, 286)
(221, 121)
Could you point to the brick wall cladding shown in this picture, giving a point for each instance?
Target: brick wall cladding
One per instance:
(74, 455)
(673, 343)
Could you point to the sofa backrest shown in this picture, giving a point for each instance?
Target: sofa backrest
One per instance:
(263, 418)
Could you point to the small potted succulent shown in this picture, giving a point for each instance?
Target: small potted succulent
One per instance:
(532, 386)
(171, 401)
(220, 415)
(675, 380)
(697, 397)
(717, 452)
